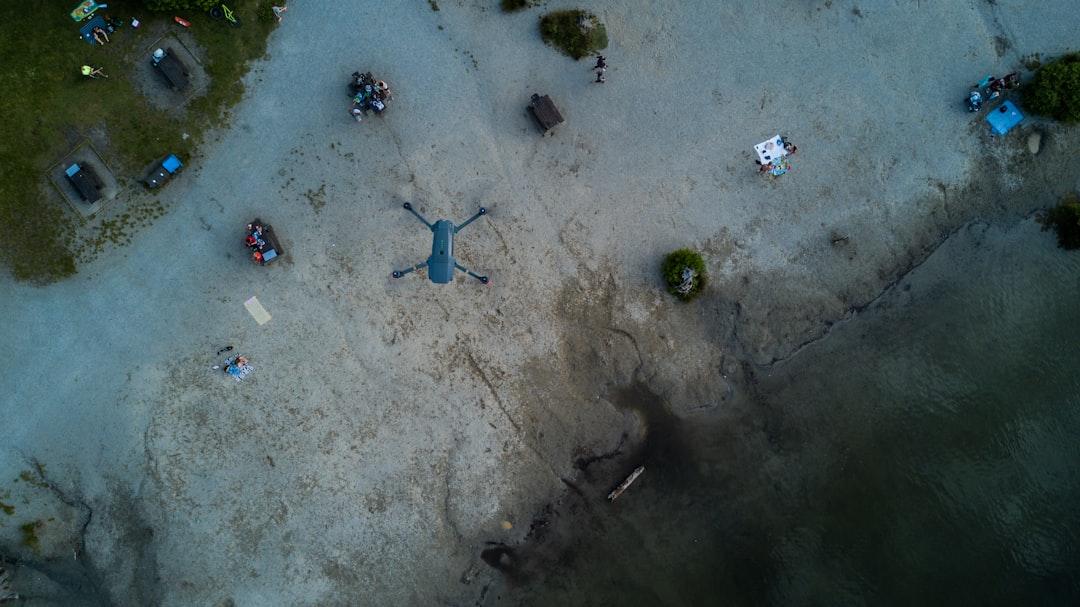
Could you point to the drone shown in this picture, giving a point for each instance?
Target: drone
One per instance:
(441, 264)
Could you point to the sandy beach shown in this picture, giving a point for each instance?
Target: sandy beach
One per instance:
(393, 430)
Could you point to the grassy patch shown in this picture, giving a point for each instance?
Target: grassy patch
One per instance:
(574, 32)
(30, 537)
(36, 480)
(49, 107)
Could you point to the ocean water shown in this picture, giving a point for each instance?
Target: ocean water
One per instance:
(927, 452)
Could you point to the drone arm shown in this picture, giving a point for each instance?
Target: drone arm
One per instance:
(400, 273)
(461, 227)
(408, 207)
(483, 279)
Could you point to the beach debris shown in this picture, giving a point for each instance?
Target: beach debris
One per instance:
(507, 525)
(688, 275)
(614, 495)
(1034, 140)
(6, 593)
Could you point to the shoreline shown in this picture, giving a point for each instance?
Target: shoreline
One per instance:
(389, 428)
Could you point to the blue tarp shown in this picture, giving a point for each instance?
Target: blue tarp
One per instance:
(87, 30)
(1004, 117)
(172, 164)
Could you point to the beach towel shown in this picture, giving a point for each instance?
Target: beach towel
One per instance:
(238, 372)
(779, 167)
(256, 310)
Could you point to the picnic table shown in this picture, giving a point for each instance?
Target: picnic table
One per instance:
(544, 111)
(86, 182)
(171, 68)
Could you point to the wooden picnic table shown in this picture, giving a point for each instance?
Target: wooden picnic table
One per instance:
(86, 182)
(544, 111)
(172, 70)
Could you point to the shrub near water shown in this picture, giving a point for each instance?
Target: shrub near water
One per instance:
(684, 272)
(1065, 220)
(574, 32)
(1055, 90)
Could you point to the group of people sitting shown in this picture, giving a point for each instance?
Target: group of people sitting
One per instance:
(255, 242)
(789, 149)
(368, 94)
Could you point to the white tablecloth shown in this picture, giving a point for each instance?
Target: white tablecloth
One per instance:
(770, 149)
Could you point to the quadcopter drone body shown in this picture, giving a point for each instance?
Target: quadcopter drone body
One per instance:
(441, 264)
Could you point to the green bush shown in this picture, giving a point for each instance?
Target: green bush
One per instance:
(684, 272)
(1055, 90)
(574, 32)
(510, 6)
(1065, 220)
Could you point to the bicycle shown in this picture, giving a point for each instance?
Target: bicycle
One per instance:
(223, 12)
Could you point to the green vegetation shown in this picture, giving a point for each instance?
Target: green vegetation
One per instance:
(49, 108)
(1055, 89)
(7, 508)
(684, 272)
(1065, 220)
(30, 537)
(510, 6)
(35, 480)
(574, 32)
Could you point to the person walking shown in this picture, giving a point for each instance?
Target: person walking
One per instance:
(278, 10)
(600, 78)
(601, 63)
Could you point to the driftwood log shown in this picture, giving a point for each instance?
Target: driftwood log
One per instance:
(626, 483)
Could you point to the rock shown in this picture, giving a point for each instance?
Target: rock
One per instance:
(1034, 140)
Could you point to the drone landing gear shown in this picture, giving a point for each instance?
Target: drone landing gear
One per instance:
(482, 279)
(400, 273)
